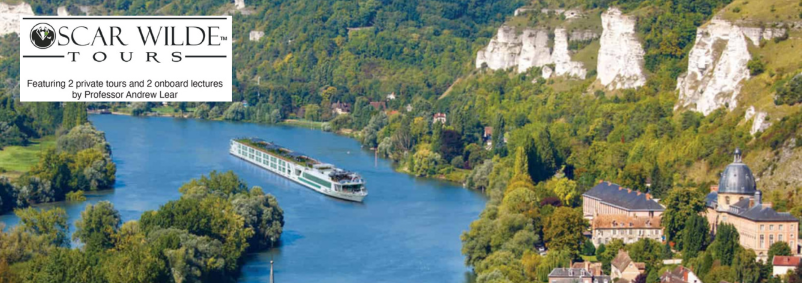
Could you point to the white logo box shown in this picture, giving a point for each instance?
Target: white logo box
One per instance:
(114, 58)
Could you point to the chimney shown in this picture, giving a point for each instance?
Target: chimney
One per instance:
(629, 190)
(601, 181)
(714, 188)
(758, 197)
(637, 192)
(609, 184)
(648, 196)
(619, 188)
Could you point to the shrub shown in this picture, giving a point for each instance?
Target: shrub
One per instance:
(756, 67)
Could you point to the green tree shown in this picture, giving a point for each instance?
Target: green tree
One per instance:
(726, 244)
(588, 249)
(51, 223)
(97, 226)
(695, 235)
(563, 230)
(779, 248)
(680, 205)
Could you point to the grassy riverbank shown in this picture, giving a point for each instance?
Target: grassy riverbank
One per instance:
(15, 160)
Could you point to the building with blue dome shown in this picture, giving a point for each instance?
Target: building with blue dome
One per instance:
(737, 201)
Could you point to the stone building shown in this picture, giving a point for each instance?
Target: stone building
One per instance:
(737, 201)
(608, 198)
(630, 229)
(623, 268)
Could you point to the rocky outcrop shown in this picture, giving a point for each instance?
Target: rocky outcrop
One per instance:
(9, 17)
(563, 66)
(757, 34)
(530, 49)
(502, 52)
(583, 35)
(239, 4)
(759, 123)
(256, 35)
(716, 67)
(535, 50)
(620, 55)
(62, 11)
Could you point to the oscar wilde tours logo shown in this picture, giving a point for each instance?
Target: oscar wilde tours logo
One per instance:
(43, 35)
(126, 58)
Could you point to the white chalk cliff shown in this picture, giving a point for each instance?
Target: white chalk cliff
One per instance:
(621, 54)
(563, 66)
(255, 35)
(714, 73)
(530, 49)
(759, 123)
(9, 17)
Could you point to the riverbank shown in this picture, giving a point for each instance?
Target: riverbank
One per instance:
(402, 218)
(455, 175)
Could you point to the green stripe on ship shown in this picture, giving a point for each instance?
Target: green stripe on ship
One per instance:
(308, 182)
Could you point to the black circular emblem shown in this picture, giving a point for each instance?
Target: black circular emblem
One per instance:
(43, 35)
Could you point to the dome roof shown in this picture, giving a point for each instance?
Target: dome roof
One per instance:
(737, 178)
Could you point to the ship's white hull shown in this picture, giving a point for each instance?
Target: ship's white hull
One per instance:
(294, 172)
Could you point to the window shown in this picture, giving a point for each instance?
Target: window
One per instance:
(761, 227)
(761, 241)
(771, 227)
(771, 240)
(780, 227)
(727, 200)
(780, 237)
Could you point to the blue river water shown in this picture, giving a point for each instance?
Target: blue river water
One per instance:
(407, 229)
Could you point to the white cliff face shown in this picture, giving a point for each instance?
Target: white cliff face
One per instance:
(502, 51)
(620, 55)
(239, 4)
(9, 17)
(562, 59)
(757, 34)
(256, 35)
(534, 49)
(62, 11)
(759, 124)
(716, 68)
(530, 49)
(583, 35)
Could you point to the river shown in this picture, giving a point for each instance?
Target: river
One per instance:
(407, 229)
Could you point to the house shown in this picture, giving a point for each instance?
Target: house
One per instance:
(576, 275)
(737, 201)
(622, 267)
(392, 112)
(608, 198)
(487, 137)
(783, 264)
(391, 96)
(595, 268)
(630, 229)
(570, 275)
(245, 103)
(409, 107)
(340, 108)
(379, 105)
(680, 274)
(439, 118)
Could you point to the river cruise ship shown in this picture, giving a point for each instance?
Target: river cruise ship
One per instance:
(300, 168)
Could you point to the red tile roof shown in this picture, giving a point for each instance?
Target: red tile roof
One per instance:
(780, 260)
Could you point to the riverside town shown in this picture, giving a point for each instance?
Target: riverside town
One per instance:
(401, 141)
